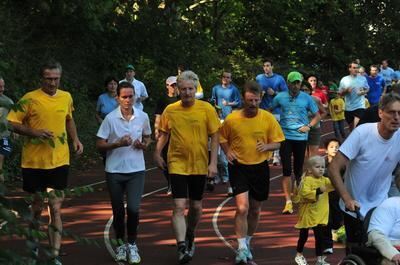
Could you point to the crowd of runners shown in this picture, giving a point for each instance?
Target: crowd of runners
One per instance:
(231, 138)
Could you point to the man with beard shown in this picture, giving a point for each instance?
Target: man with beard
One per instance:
(248, 138)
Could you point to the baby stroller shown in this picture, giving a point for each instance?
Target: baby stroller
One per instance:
(362, 254)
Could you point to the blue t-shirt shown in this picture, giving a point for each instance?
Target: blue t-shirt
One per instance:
(397, 75)
(276, 82)
(388, 75)
(354, 101)
(106, 104)
(376, 86)
(294, 113)
(229, 94)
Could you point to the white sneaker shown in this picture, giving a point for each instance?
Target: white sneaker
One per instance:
(300, 260)
(241, 256)
(230, 191)
(321, 261)
(328, 251)
(120, 253)
(133, 254)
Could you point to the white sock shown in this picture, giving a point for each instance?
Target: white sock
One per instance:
(248, 239)
(242, 243)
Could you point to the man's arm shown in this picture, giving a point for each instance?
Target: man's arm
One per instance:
(103, 146)
(212, 167)
(146, 141)
(305, 128)
(339, 163)
(71, 130)
(157, 121)
(162, 141)
(377, 239)
(25, 130)
(262, 147)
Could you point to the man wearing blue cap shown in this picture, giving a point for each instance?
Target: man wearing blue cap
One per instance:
(295, 122)
(140, 88)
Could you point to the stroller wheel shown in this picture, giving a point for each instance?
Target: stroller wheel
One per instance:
(352, 260)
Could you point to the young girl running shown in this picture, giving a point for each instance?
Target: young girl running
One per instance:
(312, 197)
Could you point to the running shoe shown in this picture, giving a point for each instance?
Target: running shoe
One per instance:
(190, 245)
(133, 254)
(241, 256)
(230, 191)
(321, 261)
(56, 261)
(120, 253)
(300, 260)
(183, 255)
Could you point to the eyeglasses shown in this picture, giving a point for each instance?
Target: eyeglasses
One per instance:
(125, 97)
(224, 76)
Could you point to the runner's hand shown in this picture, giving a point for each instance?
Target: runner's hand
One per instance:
(304, 129)
(352, 205)
(126, 140)
(139, 145)
(231, 156)
(261, 147)
(160, 162)
(78, 147)
(270, 91)
(396, 259)
(212, 170)
(43, 133)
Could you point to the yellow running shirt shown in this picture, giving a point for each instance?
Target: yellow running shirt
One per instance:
(189, 129)
(336, 108)
(242, 134)
(43, 111)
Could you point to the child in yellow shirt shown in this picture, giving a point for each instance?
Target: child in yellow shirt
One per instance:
(313, 208)
(336, 109)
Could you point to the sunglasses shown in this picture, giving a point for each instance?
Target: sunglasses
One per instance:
(125, 97)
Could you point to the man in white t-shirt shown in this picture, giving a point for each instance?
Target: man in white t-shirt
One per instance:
(371, 153)
(140, 89)
(124, 134)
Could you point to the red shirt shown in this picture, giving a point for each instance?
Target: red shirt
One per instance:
(319, 93)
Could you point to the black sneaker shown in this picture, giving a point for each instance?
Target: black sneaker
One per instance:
(190, 245)
(183, 255)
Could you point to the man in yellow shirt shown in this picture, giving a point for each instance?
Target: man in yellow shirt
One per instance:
(45, 120)
(188, 124)
(248, 138)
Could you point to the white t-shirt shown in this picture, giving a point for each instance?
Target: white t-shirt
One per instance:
(372, 161)
(140, 91)
(124, 159)
(386, 219)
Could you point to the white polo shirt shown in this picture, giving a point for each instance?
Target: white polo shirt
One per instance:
(125, 159)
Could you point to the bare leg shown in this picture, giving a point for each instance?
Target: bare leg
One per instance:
(253, 216)
(242, 210)
(194, 215)
(55, 222)
(178, 219)
(286, 186)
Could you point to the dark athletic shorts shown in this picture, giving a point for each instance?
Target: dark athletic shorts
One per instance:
(314, 136)
(349, 115)
(38, 180)
(250, 178)
(188, 186)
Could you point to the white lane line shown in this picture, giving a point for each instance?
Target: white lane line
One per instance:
(106, 233)
(216, 215)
